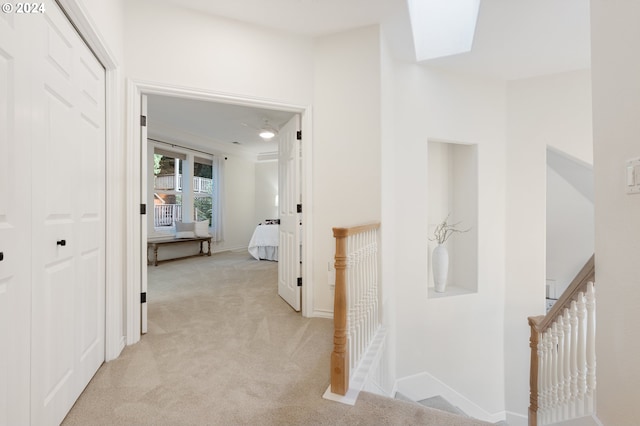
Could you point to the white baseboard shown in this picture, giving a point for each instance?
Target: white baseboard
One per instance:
(423, 385)
(591, 420)
(321, 313)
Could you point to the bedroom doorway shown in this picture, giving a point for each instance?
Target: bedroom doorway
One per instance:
(233, 150)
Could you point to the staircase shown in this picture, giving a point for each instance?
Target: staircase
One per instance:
(440, 404)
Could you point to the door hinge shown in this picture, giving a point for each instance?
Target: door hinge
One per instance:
(143, 209)
(299, 135)
(143, 297)
(143, 120)
(299, 208)
(299, 281)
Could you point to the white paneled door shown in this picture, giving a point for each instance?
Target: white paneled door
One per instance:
(53, 201)
(289, 199)
(15, 224)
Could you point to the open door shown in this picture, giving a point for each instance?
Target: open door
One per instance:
(143, 212)
(289, 277)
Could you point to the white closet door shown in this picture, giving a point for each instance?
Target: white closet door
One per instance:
(15, 224)
(68, 288)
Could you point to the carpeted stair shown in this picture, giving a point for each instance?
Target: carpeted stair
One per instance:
(439, 403)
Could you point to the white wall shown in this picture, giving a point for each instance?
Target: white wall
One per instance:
(346, 144)
(266, 191)
(615, 39)
(570, 230)
(545, 111)
(445, 337)
(172, 45)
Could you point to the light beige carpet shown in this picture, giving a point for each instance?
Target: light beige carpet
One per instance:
(224, 349)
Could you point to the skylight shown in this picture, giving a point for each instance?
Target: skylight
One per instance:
(442, 27)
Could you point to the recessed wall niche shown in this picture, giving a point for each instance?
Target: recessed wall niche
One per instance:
(453, 192)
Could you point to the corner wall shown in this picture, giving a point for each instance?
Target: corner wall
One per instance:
(544, 111)
(346, 144)
(615, 40)
(454, 340)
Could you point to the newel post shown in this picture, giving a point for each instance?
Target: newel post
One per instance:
(533, 372)
(340, 354)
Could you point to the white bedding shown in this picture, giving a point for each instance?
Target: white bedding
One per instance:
(264, 242)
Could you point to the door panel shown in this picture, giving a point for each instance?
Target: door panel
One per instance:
(15, 224)
(68, 296)
(289, 198)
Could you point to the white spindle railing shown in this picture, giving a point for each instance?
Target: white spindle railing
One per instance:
(166, 214)
(362, 299)
(566, 351)
(563, 358)
(168, 183)
(356, 313)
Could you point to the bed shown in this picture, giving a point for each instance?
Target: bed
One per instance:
(264, 242)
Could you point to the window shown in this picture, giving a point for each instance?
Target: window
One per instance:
(186, 187)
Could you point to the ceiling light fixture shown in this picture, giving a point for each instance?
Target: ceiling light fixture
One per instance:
(267, 132)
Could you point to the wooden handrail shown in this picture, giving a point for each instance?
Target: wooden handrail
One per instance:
(346, 232)
(540, 324)
(579, 284)
(340, 353)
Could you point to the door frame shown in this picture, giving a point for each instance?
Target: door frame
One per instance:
(114, 221)
(135, 247)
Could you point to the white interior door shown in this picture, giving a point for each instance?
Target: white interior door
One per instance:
(15, 223)
(68, 205)
(289, 199)
(148, 216)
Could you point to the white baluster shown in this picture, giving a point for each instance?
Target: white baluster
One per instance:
(560, 369)
(541, 376)
(590, 347)
(554, 372)
(573, 313)
(566, 397)
(582, 362)
(549, 373)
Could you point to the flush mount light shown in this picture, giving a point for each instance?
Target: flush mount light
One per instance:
(267, 132)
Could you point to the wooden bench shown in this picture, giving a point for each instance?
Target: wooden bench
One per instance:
(155, 244)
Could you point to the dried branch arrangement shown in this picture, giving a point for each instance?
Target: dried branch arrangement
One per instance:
(444, 230)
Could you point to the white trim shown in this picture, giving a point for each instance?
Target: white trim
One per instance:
(133, 249)
(423, 385)
(114, 259)
(135, 88)
(322, 313)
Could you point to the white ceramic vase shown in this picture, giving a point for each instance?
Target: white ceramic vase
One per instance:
(440, 265)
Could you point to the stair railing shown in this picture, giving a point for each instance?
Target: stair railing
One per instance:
(563, 357)
(355, 313)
